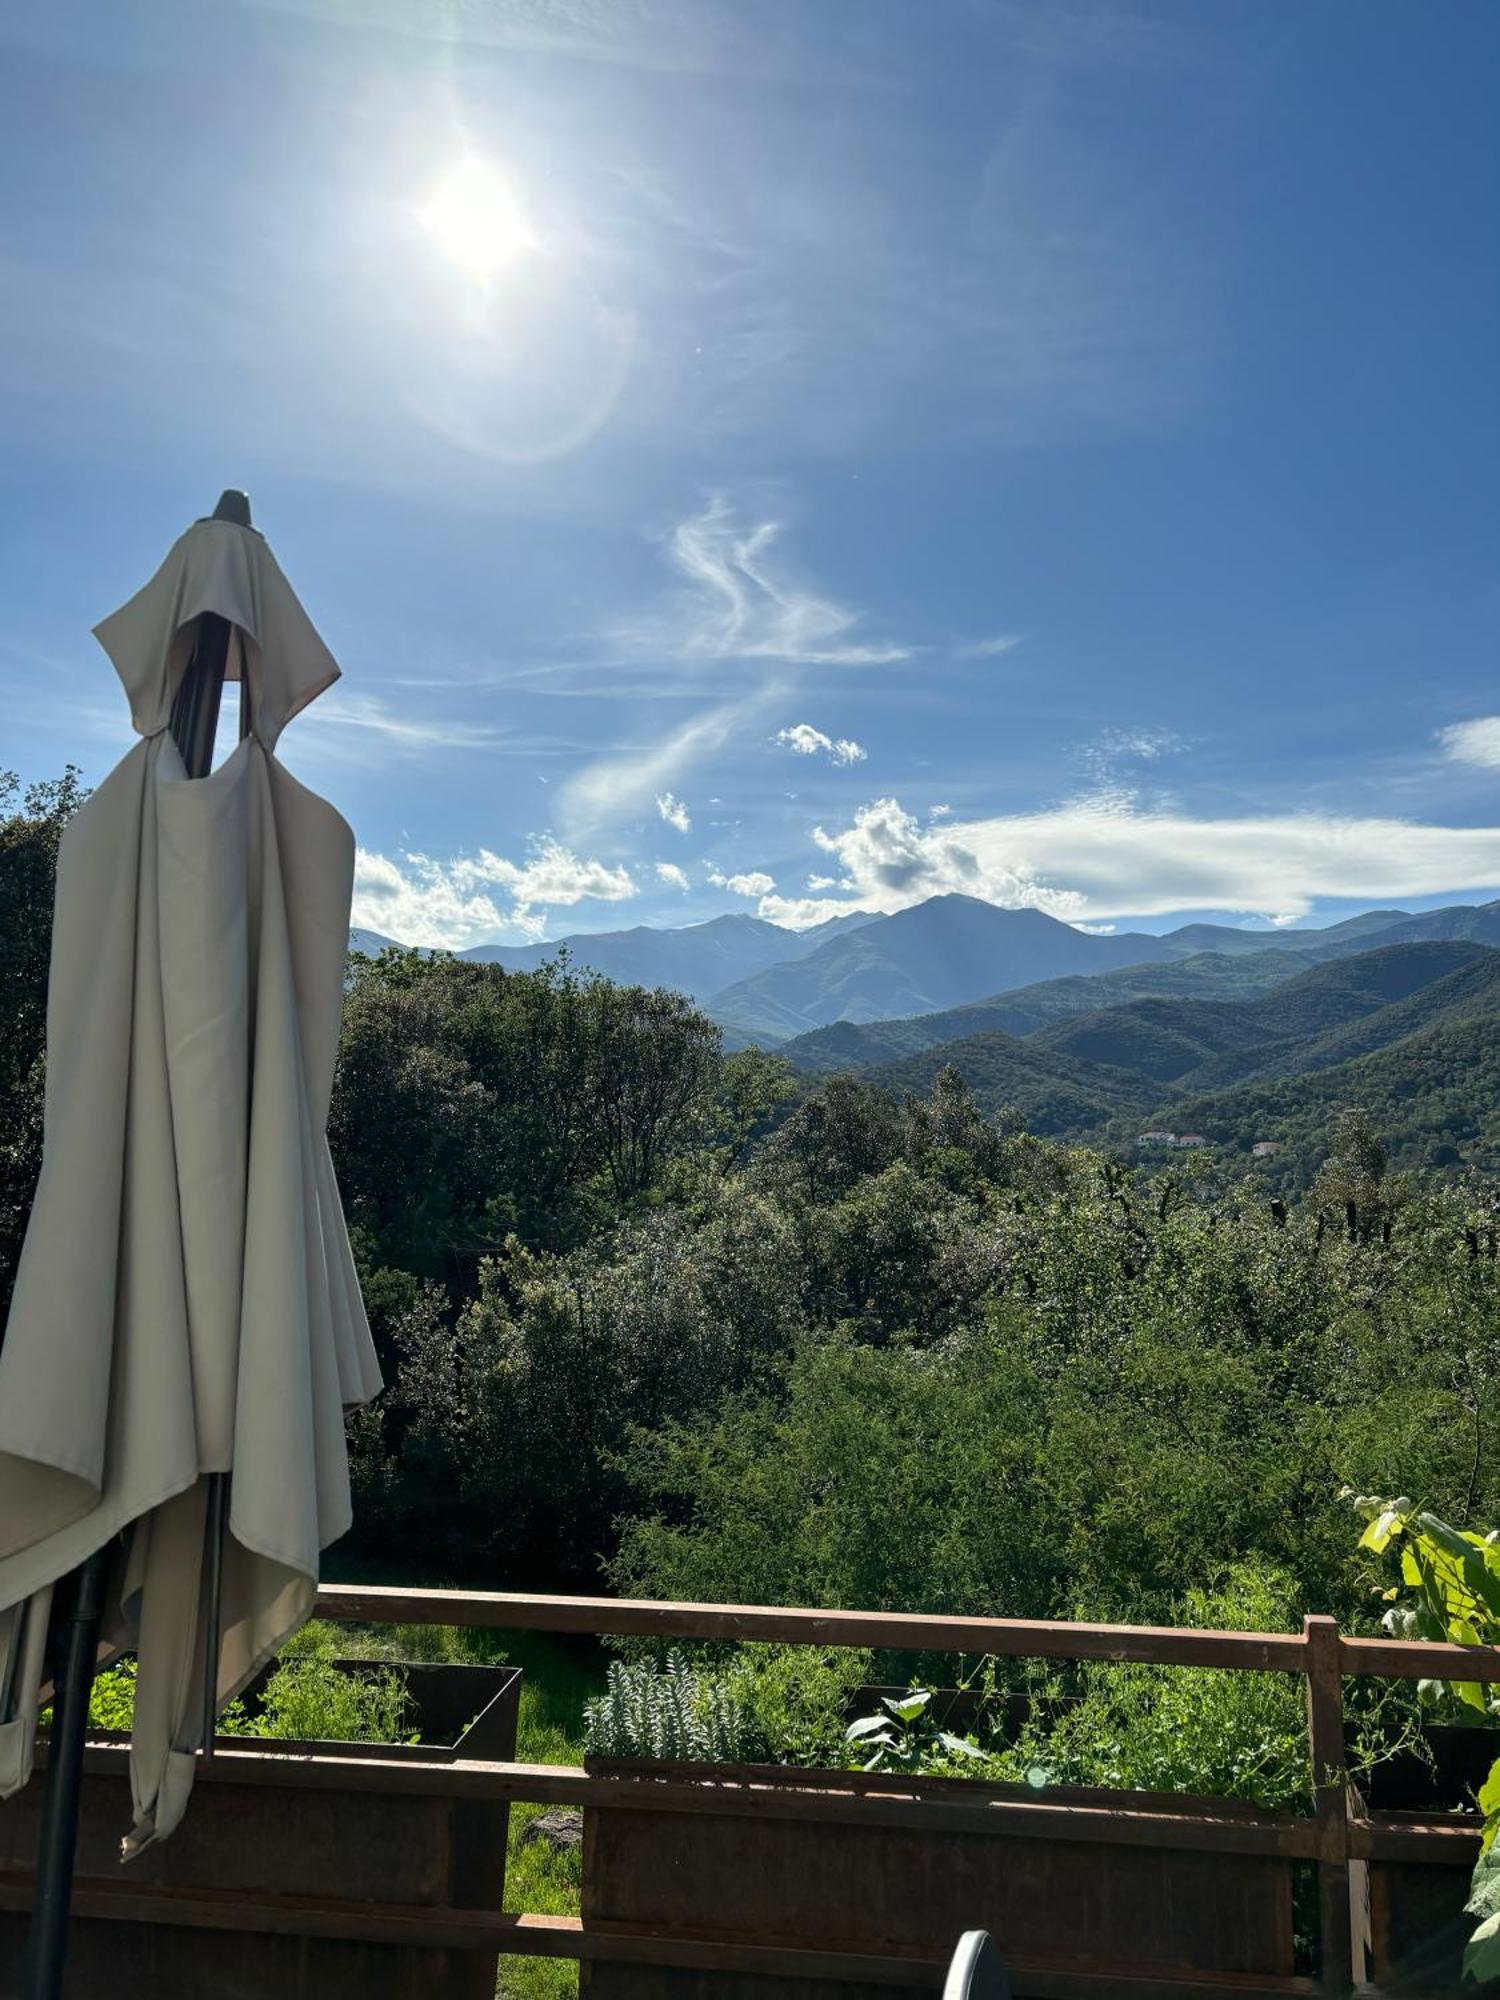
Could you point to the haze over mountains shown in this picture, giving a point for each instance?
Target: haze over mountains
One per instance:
(767, 984)
(1238, 1035)
(699, 960)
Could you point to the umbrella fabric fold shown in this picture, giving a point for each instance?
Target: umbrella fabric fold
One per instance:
(186, 1302)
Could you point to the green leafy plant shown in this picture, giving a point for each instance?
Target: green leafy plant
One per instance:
(308, 1699)
(671, 1713)
(112, 1697)
(1178, 1729)
(902, 1735)
(799, 1698)
(1452, 1576)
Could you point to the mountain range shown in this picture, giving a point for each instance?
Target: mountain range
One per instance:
(763, 983)
(1410, 1032)
(955, 950)
(1240, 1036)
(699, 960)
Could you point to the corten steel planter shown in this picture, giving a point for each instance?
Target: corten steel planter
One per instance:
(1417, 1923)
(1068, 1881)
(242, 1838)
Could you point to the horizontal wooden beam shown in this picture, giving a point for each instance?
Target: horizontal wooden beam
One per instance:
(507, 1935)
(933, 1805)
(1446, 1841)
(1418, 1660)
(445, 1929)
(904, 1631)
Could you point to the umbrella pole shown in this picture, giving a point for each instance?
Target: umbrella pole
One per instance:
(218, 1510)
(194, 724)
(78, 1643)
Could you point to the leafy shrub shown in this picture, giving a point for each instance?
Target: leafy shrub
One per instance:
(799, 1698)
(1453, 1576)
(1133, 1727)
(672, 1713)
(1180, 1729)
(308, 1699)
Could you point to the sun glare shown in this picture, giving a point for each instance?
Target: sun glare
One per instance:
(473, 214)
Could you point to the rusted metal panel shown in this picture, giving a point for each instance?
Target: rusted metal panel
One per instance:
(243, 1839)
(1418, 1931)
(1028, 1982)
(569, 1938)
(1165, 1910)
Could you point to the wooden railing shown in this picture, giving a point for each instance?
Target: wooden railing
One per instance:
(1320, 1653)
(1335, 1838)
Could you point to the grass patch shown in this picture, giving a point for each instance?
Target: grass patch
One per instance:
(557, 1678)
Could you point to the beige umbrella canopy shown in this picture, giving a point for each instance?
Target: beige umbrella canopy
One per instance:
(186, 1303)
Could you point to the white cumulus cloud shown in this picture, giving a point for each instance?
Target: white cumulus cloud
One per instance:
(672, 875)
(1476, 742)
(674, 812)
(755, 883)
(1097, 859)
(450, 904)
(806, 741)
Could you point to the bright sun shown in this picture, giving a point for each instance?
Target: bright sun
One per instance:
(473, 214)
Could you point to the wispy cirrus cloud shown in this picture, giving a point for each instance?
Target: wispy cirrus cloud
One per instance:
(739, 604)
(988, 649)
(630, 780)
(354, 725)
(743, 602)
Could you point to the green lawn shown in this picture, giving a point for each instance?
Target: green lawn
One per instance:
(557, 1680)
(558, 1677)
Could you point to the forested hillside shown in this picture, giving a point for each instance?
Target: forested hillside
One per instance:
(871, 1347)
(1209, 976)
(941, 953)
(1200, 1046)
(666, 1319)
(1403, 1031)
(1435, 1098)
(1050, 1094)
(698, 960)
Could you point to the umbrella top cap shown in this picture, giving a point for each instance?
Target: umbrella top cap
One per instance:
(221, 566)
(233, 506)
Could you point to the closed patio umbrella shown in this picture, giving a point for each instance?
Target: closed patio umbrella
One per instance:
(186, 1330)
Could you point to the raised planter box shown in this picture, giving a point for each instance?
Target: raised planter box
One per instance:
(243, 1838)
(1074, 1883)
(1417, 1925)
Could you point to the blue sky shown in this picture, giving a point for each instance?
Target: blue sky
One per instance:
(794, 456)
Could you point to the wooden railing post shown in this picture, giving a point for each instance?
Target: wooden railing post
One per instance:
(1325, 1730)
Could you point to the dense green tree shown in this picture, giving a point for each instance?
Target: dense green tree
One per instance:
(31, 826)
(646, 1313)
(499, 1437)
(473, 1103)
